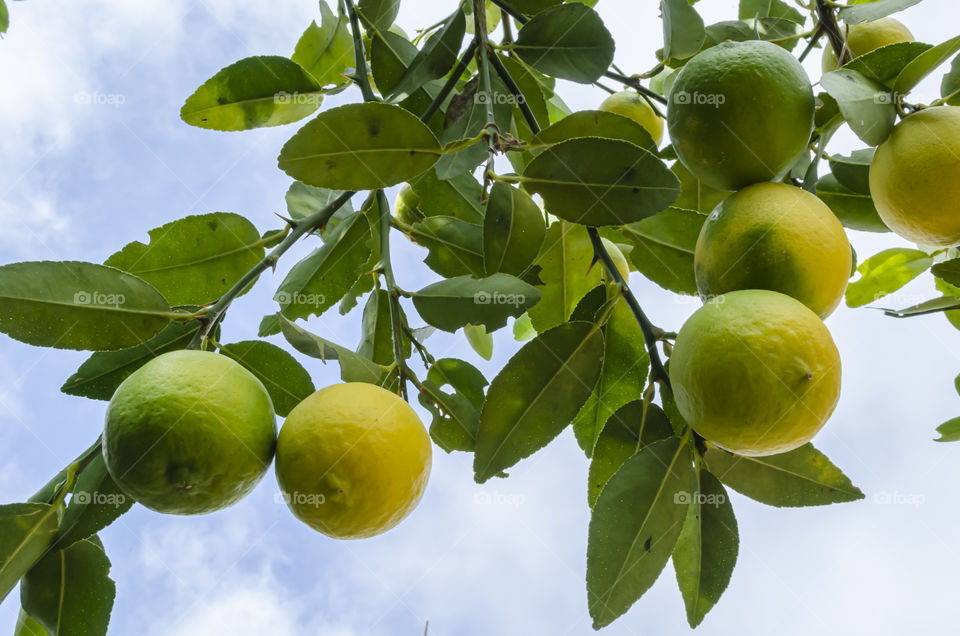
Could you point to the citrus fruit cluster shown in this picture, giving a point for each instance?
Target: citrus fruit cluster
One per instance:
(192, 432)
(755, 371)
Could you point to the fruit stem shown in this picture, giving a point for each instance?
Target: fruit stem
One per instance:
(828, 22)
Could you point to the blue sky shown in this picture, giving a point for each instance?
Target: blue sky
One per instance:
(80, 180)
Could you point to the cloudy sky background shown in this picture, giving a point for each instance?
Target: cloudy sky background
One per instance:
(81, 180)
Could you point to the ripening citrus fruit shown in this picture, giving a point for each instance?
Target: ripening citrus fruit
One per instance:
(740, 113)
(618, 259)
(632, 105)
(755, 372)
(774, 236)
(868, 36)
(353, 460)
(915, 177)
(189, 432)
(407, 206)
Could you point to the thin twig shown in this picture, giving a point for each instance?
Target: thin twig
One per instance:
(634, 83)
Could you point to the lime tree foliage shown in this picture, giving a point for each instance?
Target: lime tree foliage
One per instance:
(523, 210)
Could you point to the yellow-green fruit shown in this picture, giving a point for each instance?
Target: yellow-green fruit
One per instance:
(915, 177)
(778, 237)
(189, 432)
(632, 105)
(406, 207)
(618, 259)
(740, 113)
(755, 372)
(353, 460)
(868, 36)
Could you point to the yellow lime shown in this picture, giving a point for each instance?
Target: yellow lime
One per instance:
(353, 460)
(407, 206)
(867, 36)
(618, 259)
(755, 372)
(740, 113)
(189, 432)
(774, 236)
(915, 177)
(632, 105)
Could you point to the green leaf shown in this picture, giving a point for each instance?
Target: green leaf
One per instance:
(376, 340)
(353, 367)
(326, 51)
(456, 302)
(569, 42)
(601, 181)
(303, 200)
(634, 527)
(4, 17)
(460, 197)
(856, 211)
(589, 123)
(513, 230)
(456, 247)
(435, 59)
(378, 13)
(360, 147)
(626, 432)
(532, 7)
(285, 379)
(866, 105)
(566, 260)
(76, 305)
(886, 272)
(950, 85)
(96, 502)
(194, 260)
(390, 56)
(322, 278)
(26, 531)
(536, 394)
(100, 375)
(69, 592)
(267, 90)
(694, 194)
(622, 378)
(466, 118)
(948, 271)
(663, 247)
(943, 303)
(683, 32)
(769, 9)
(873, 10)
(707, 549)
(455, 415)
(924, 64)
(480, 340)
(26, 626)
(884, 64)
(801, 477)
(949, 431)
(534, 93)
(853, 172)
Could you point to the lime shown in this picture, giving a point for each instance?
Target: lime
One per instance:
(915, 177)
(774, 236)
(189, 432)
(755, 372)
(353, 460)
(868, 36)
(632, 105)
(618, 259)
(407, 206)
(740, 113)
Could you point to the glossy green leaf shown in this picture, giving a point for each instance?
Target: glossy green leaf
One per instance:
(285, 379)
(303, 200)
(266, 90)
(663, 247)
(634, 527)
(856, 211)
(886, 272)
(456, 415)
(601, 181)
(589, 123)
(532, 7)
(321, 279)
(360, 147)
(950, 84)
(26, 626)
(390, 56)
(683, 32)
(866, 105)
(26, 531)
(694, 194)
(884, 64)
(626, 432)
(456, 302)
(853, 172)
(196, 259)
(801, 477)
(69, 592)
(531, 85)
(622, 378)
(376, 339)
(480, 340)
(460, 197)
(353, 367)
(924, 64)
(943, 303)
(949, 431)
(378, 13)
(948, 271)
(76, 305)
(456, 247)
(96, 501)
(435, 59)
(469, 124)
(326, 51)
(568, 41)
(566, 262)
(769, 9)
(864, 12)
(536, 395)
(707, 549)
(513, 230)
(4, 17)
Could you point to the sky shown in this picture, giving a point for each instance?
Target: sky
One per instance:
(93, 155)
